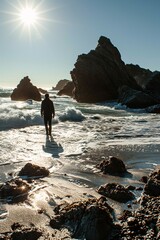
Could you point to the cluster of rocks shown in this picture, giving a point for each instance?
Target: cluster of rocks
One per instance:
(101, 75)
(89, 219)
(17, 189)
(144, 223)
(116, 192)
(20, 232)
(92, 219)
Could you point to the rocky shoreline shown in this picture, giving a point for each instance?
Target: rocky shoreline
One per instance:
(91, 218)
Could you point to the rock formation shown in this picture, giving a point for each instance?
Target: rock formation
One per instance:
(25, 90)
(141, 75)
(113, 166)
(15, 190)
(116, 192)
(32, 170)
(67, 89)
(43, 91)
(90, 220)
(135, 99)
(60, 84)
(98, 75)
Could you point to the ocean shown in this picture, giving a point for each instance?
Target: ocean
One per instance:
(78, 129)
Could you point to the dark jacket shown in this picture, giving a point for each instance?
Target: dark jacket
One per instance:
(47, 108)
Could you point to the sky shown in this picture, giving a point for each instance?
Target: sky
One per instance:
(44, 44)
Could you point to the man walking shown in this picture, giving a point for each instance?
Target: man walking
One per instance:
(47, 112)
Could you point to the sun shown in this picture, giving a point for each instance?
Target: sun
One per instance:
(28, 16)
(31, 16)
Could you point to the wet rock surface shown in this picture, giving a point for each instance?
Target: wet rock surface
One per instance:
(113, 166)
(116, 192)
(91, 220)
(20, 232)
(32, 170)
(15, 190)
(143, 223)
(152, 186)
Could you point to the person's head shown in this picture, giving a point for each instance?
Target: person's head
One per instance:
(46, 96)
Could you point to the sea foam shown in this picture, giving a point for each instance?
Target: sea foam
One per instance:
(71, 114)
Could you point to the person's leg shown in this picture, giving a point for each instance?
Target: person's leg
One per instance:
(50, 126)
(46, 126)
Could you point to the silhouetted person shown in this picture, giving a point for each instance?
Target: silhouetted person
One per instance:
(47, 112)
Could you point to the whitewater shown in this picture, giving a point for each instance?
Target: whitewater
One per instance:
(78, 131)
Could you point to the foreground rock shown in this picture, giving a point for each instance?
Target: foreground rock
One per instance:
(98, 75)
(15, 190)
(26, 90)
(144, 223)
(20, 232)
(152, 187)
(90, 220)
(32, 170)
(116, 192)
(113, 166)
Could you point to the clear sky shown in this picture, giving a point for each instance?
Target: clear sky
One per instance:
(44, 43)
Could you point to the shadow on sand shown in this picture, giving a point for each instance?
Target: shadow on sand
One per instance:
(52, 147)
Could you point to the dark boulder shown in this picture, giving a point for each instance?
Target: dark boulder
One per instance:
(112, 166)
(25, 90)
(67, 89)
(152, 187)
(90, 220)
(135, 98)
(116, 192)
(20, 232)
(15, 190)
(98, 75)
(32, 170)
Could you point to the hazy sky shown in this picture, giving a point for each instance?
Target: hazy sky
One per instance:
(47, 48)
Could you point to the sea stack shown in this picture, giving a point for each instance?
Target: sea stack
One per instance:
(98, 75)
(26, 90)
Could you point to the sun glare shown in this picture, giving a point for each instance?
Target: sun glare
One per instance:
(28, 16)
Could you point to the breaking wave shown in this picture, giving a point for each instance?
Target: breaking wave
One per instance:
(71, 114)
